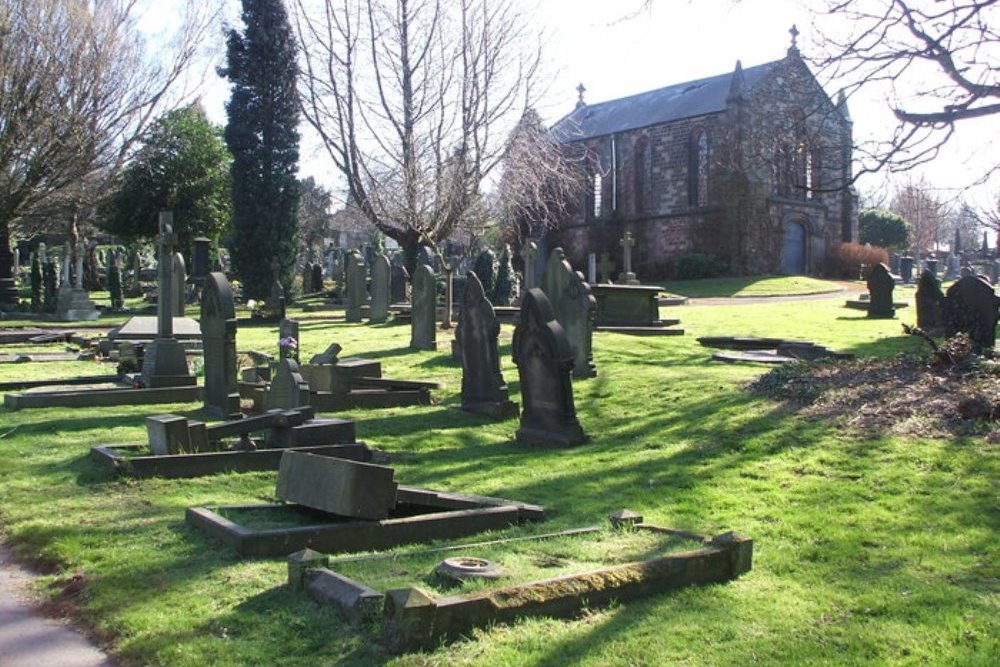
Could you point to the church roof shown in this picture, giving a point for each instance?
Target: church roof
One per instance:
(681, 100)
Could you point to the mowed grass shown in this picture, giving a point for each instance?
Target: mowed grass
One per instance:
(749, 286)
(878, 550)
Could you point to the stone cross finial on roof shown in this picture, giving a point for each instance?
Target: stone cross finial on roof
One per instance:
(580, 90)
(794, 32)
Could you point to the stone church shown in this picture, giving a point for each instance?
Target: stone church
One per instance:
(751, 166)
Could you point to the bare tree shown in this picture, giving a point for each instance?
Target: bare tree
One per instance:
(915, 201)
(412, 100)
(78, 85)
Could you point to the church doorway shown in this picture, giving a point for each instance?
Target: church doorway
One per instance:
(793, 255)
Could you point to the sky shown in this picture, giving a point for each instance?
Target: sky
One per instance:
(620, 48)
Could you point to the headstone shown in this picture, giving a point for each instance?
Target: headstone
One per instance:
(135, 286)
(970, 306)
(276, 298)
(327, 356)
(165, 364)
(168, 434)
(200, 258)
(423, 311)
(357, 278)
(929, 299)
(317, 278)
(627, 276)
(337, 486)
(880, 286)
(400, 282)
(954, 264)
(967, 272)
(575, 308)
(483, 387)
(15, 266)
(177, 294)
(288, 340)
(72, 302)
(592, 268)
(91, 268)
(894, 262)
(218, 335)
(544, 363)
(906, 269)
(529, 254)
(81, 251)
(288, 390)
(606, 268)
(381, 274)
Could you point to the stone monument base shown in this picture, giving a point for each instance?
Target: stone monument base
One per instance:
(73, 304)
(566, 436)
(165, 365)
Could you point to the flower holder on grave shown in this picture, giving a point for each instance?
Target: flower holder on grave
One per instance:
(334, 505)
(180, 447)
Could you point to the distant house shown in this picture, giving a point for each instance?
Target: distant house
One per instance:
(752, 166)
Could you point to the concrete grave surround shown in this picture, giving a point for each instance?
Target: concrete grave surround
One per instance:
(423, 325)
(344, 488)
(929, 298)
(357, 294)
(483, 387)
(165, 364)
(544, 362)
(288, 390)
(880, 287)
(218, 332)
(970, 306)
(575, 308)
(381, 275)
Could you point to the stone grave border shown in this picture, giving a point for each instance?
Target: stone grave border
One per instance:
(95, 398)
(413, 620)
(446, 516)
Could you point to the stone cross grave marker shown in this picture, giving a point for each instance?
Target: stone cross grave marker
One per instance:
(575, 308)
(381, 275)
(606, 268)
(880, 287)
(218, 335)
(627, 276)
(423, 311)
(929, 299)
(544, 362)
(529, 253)
(484, 390)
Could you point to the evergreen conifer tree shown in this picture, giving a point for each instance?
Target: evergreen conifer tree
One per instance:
(262, 134)
(503, 290)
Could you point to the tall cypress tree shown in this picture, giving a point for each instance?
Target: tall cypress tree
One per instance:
(263, 137)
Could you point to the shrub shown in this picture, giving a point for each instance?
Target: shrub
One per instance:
(503, 289)
(698, 265)
(848, 259)
(884, 229)
(485, 268)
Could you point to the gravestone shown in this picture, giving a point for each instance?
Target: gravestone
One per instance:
(606, 268)
(931, 265)
(544, 363)
(341, 487)
(627, 276)
(288, 340)
(906, 269)
(970, 306)
(276, 299)
(317, 278)
(880, 286)
(575, 308)
(327, 356)
(423, 310)
(177, 294)
(592, 268)
(484, 390)
(288, 390)
(135, 284)
(165, 364)
(356, 288)
(91, 269)
(529, 254)
(400, 282)
(894, 262)
(381, 274)
(218, 335)
(929, 299)
(72, 302)
(200, 259)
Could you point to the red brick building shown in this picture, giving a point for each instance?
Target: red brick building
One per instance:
(752, 166)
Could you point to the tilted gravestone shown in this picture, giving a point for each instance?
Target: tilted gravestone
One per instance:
(218, 335)
(288, 390)
(356, 288)
(970, 306)
(483, 387)
(423, 320)
(381, 274)
(180, 285)
(575, 308)
(880, 286)
(327, 356)
(544, 362)
(337, 486)
(929, 299)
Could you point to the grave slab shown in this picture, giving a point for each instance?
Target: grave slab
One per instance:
(345, 488)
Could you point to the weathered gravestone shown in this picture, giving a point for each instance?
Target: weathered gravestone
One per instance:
(165, 364)
(200, 259)
(317, 278)
(575, 308)
(218, 335)
(483, 388)
(929, 299)
(906, 268)
(348, 489)
(627, 276)
(327, 356)
(529, 255)
(72, 302)
(606, 268)
(276, 299)
(400, 281)
(177, 294)
(880, 286)
(381, 274)
(544, 362)
(356, 288)
(423, 313)
(288, 390)
(288, 339)
(970, 306)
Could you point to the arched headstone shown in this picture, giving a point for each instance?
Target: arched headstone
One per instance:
(483, 387)
(381, 274)
(970, 306)
(880, 287)
(357, 293)
(574, 307)
(423, 312)
(218, 335)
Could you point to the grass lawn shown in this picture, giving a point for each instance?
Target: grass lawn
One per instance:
(753, 286)
(867, 550)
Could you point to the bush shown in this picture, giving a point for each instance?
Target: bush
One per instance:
(848, 259)
(883, 229)
(698, 265)
(485, 268)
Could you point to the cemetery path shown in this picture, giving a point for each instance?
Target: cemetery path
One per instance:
(29, 639)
